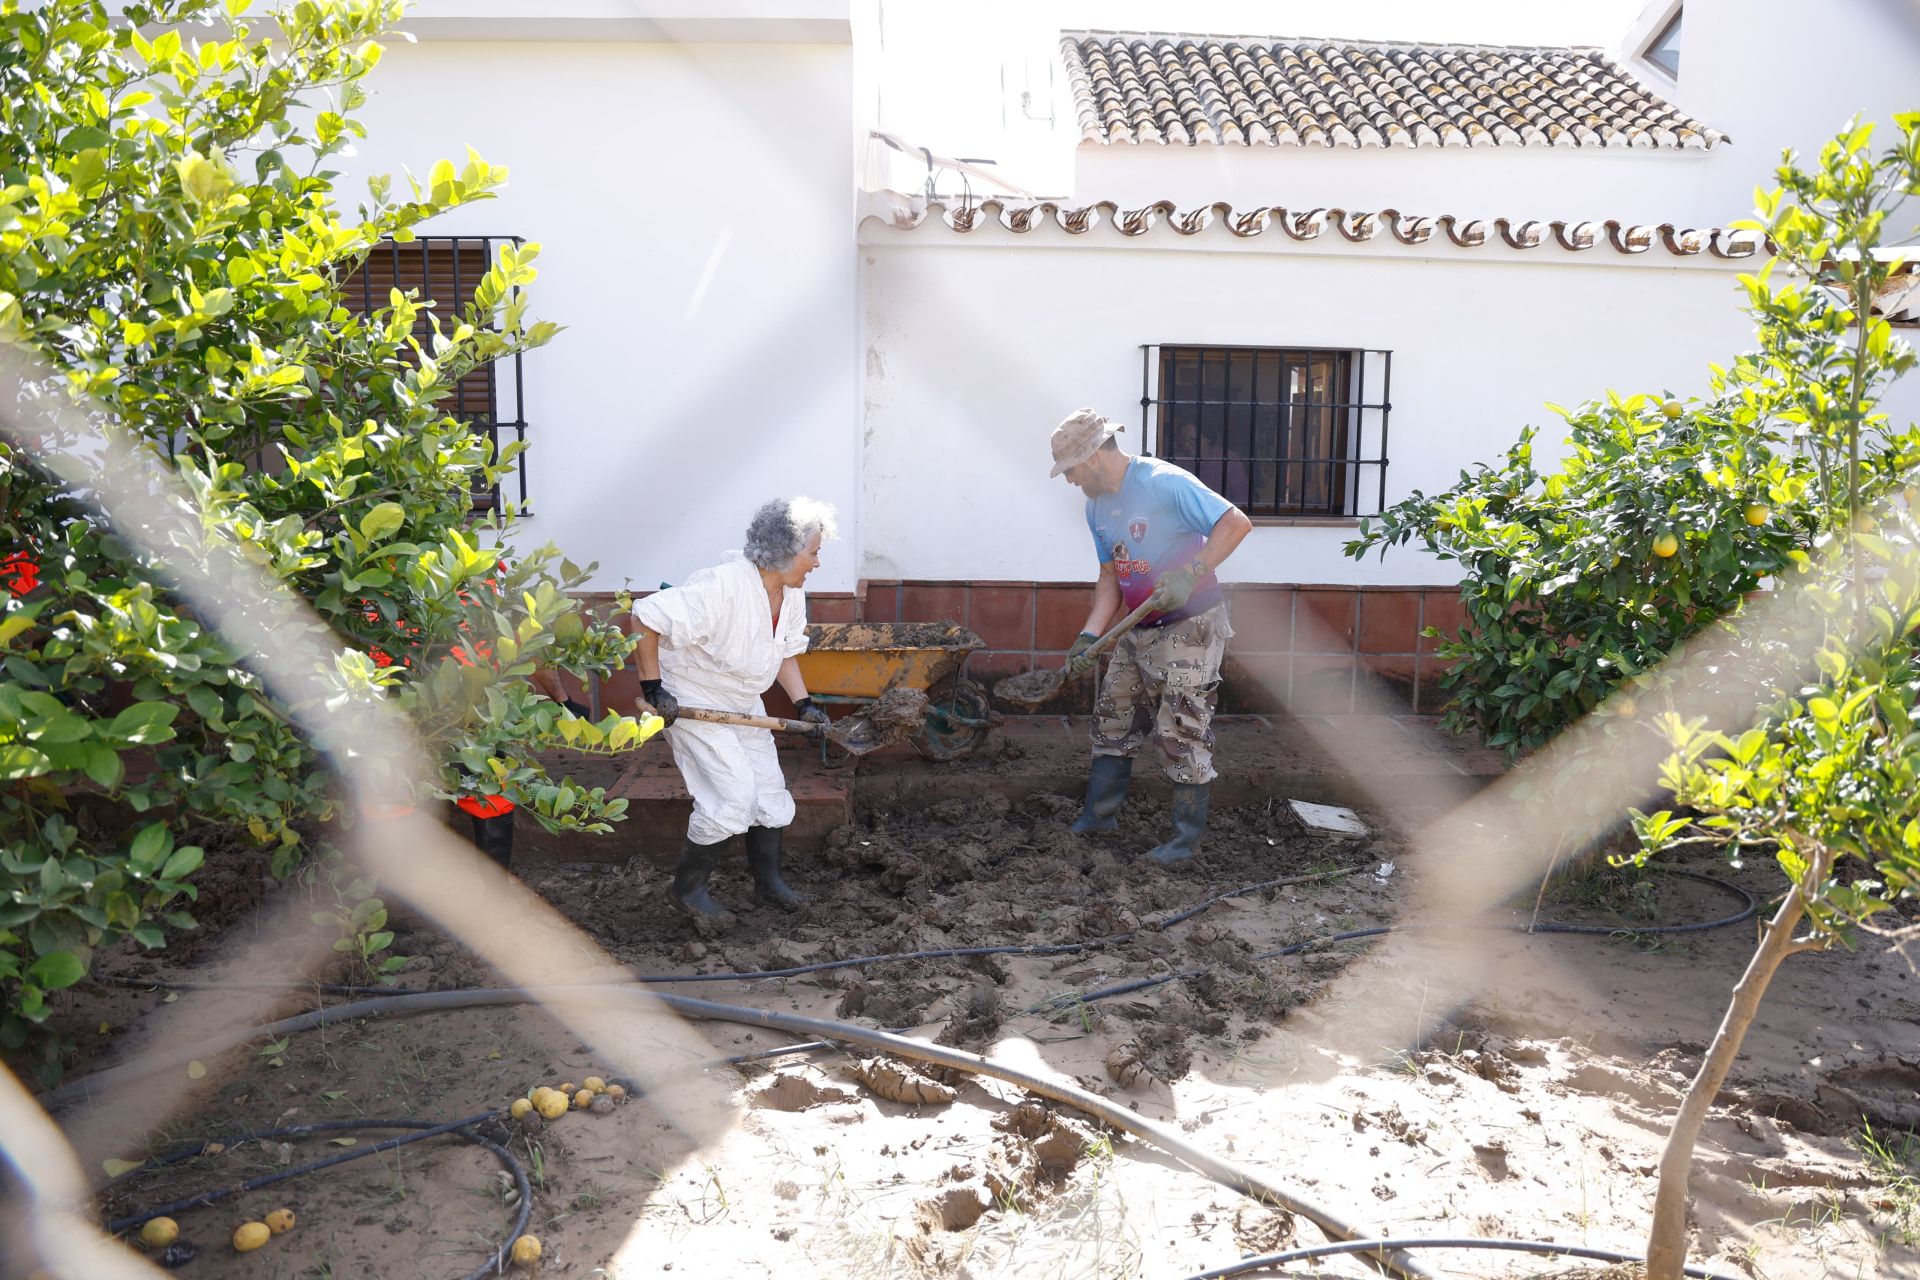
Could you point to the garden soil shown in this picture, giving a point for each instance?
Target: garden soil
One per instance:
(1535, 1107)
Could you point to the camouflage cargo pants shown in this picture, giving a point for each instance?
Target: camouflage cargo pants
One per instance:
(1165, 680)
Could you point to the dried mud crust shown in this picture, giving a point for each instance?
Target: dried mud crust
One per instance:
(833, 637)
(988, 872)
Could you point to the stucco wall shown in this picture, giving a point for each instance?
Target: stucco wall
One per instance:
(1780, 73)
(695, 208)
(977, 345)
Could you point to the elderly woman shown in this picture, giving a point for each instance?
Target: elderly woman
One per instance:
(718, 642)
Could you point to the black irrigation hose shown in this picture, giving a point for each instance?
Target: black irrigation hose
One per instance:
(1268, 1260)
(425, 1129)
(1170, 1140)
(793, 971)
(1750, 906)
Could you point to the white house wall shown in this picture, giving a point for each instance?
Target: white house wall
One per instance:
(1773, 74)
(977, 344)
(694, 204)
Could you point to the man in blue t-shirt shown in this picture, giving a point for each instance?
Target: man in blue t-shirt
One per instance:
(1160, 535)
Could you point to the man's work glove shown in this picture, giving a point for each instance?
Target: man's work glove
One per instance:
(665, 705)
(1172, 590)
(812, 714)
(1077, 659)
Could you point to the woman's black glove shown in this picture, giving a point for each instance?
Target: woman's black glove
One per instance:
(812, 714)
(664, 704)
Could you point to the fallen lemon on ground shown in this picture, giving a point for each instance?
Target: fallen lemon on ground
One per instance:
(1757, 513)
(158, 1233)
(568, 1087)
(526, 1251)
(594, 1083)
(1666, 545)
(553, 1106)
(249, 1236)
(584, 1099)
(616, 1092)
(280, 1221)
(520, 1107)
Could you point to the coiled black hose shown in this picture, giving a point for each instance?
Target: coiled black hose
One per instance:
(1169, 1140)
(426, 1129)
(1268, 1260)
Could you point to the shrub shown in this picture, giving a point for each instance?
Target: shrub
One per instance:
(171, 251)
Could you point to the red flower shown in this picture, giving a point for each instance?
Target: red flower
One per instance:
(20, 572)
(484, 806)
(381, 658)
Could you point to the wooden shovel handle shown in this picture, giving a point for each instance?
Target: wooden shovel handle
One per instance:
(1085, 657)
(747, 721)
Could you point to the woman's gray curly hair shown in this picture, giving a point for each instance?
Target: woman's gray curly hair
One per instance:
(781, 529)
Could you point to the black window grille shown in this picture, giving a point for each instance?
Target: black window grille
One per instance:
(445, 270)
(1294, 431)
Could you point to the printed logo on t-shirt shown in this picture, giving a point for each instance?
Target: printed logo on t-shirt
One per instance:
(1126, 566)
(1137, 528)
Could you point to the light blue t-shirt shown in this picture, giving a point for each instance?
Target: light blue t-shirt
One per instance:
(1158, 521)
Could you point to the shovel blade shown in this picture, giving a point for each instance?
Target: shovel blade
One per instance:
(856, 735)
(1031, 688)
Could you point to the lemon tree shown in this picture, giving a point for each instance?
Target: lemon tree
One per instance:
(1827, 781)
(171, 248)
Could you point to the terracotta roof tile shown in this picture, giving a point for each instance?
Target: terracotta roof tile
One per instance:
(1338, 93)
(1357, 226)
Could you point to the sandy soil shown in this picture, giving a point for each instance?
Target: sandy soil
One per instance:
(1536, 1107)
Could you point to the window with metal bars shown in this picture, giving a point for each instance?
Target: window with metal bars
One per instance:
(445, 270)
(1277, 431)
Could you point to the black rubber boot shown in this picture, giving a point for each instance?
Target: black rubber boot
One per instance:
(697, 862)
(1106, 792)
(494, 837)
(763, 859)
(1189, 822)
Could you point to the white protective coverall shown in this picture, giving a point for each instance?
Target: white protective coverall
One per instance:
(719, 649)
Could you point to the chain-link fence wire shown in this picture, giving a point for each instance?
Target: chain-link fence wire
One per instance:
(1493, 844)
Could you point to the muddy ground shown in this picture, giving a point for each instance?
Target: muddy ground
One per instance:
(1534, 1108)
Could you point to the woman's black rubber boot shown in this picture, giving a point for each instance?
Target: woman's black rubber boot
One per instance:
(763, 859)
(697, 862)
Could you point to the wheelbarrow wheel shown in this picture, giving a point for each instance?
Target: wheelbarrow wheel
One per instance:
(955, 723)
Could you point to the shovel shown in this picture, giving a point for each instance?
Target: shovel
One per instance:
(855, 734)
(1035, 687)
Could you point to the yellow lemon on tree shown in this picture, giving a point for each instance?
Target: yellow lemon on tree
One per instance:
(249, 1236)
(568, 627)
(1673, 408)
(158, 1233)
(280, 1221)
(1757, 513)
(1666, 545)
(553, 1106)
(594, 1083)
(583, 1099)
(526, 1251)
(520, 1107)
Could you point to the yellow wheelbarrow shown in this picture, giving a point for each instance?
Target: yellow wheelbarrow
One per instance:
(853, 663)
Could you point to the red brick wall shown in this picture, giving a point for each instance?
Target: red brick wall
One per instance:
(1302, 649)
